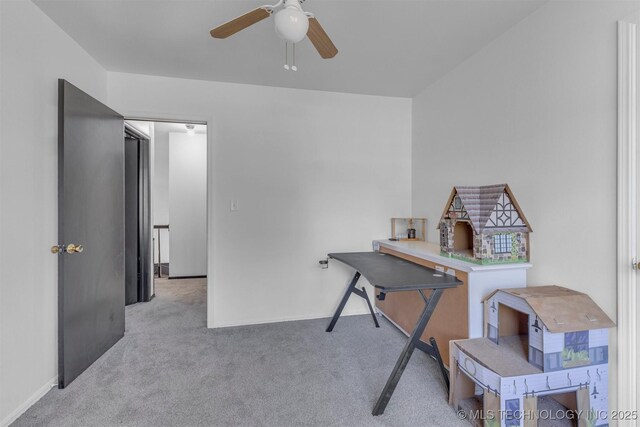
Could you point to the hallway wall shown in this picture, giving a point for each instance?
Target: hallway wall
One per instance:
(188, 204)
(161, 190)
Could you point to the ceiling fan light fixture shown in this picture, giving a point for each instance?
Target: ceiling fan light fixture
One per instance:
(291, 24)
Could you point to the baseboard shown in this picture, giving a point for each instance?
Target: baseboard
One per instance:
(187, 277)
(29, 402)
(290, 319)
(392, 322)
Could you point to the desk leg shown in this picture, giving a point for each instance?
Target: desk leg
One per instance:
(438, 358)
(401, 364)
(345, 298)
(373, 314)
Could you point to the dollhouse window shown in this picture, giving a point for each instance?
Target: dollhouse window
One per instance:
(502, 243)
(576, 341)
(457, 203)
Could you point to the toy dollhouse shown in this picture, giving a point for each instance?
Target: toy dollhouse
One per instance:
(539, 342)
(484, 225)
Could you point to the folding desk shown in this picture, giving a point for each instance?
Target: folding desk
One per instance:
(392, 274)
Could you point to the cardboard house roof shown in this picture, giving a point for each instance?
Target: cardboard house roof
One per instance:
(561, 309)
(480, 201)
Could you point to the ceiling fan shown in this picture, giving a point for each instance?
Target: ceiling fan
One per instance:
(291, 22)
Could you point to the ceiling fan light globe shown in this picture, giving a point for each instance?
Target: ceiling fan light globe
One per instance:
(291, 24)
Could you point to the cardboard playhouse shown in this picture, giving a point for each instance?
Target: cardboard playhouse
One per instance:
(544, 353)
(484, 225)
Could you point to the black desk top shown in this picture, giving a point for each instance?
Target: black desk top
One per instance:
(390, 273)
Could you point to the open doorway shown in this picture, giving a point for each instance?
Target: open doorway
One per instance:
(463, 238)
(178, 213)
(513, 330)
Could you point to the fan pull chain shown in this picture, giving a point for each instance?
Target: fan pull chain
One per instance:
(286, 56)
(293, 67)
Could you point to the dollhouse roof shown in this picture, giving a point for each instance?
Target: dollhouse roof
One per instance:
(561, 309)
(488, 209)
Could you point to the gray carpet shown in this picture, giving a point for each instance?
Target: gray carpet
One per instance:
(170, 370)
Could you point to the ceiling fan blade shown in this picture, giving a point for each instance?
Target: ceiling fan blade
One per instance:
(321, 40)
(240, 23)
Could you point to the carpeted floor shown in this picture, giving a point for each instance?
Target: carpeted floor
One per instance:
(170, 370)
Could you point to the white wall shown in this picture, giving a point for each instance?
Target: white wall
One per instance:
(188, 204)
(160, 183)
(314, 172)
(536, 109)
(34, 54)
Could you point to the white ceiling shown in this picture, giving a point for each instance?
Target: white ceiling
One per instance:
(390, 47)
(164, 127)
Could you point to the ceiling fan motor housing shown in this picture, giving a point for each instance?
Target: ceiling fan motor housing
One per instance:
(291, 23)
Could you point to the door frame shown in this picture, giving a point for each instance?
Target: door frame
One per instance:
(627, 257)
(196, 120)
(145, 271)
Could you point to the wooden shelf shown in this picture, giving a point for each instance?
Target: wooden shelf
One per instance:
(459, 314)
(400, 226)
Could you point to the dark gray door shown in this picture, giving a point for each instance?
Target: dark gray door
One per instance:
(91, 214)
(131, 205)
(144, 212)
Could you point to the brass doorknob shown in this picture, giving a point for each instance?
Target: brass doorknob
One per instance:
(72, 248)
